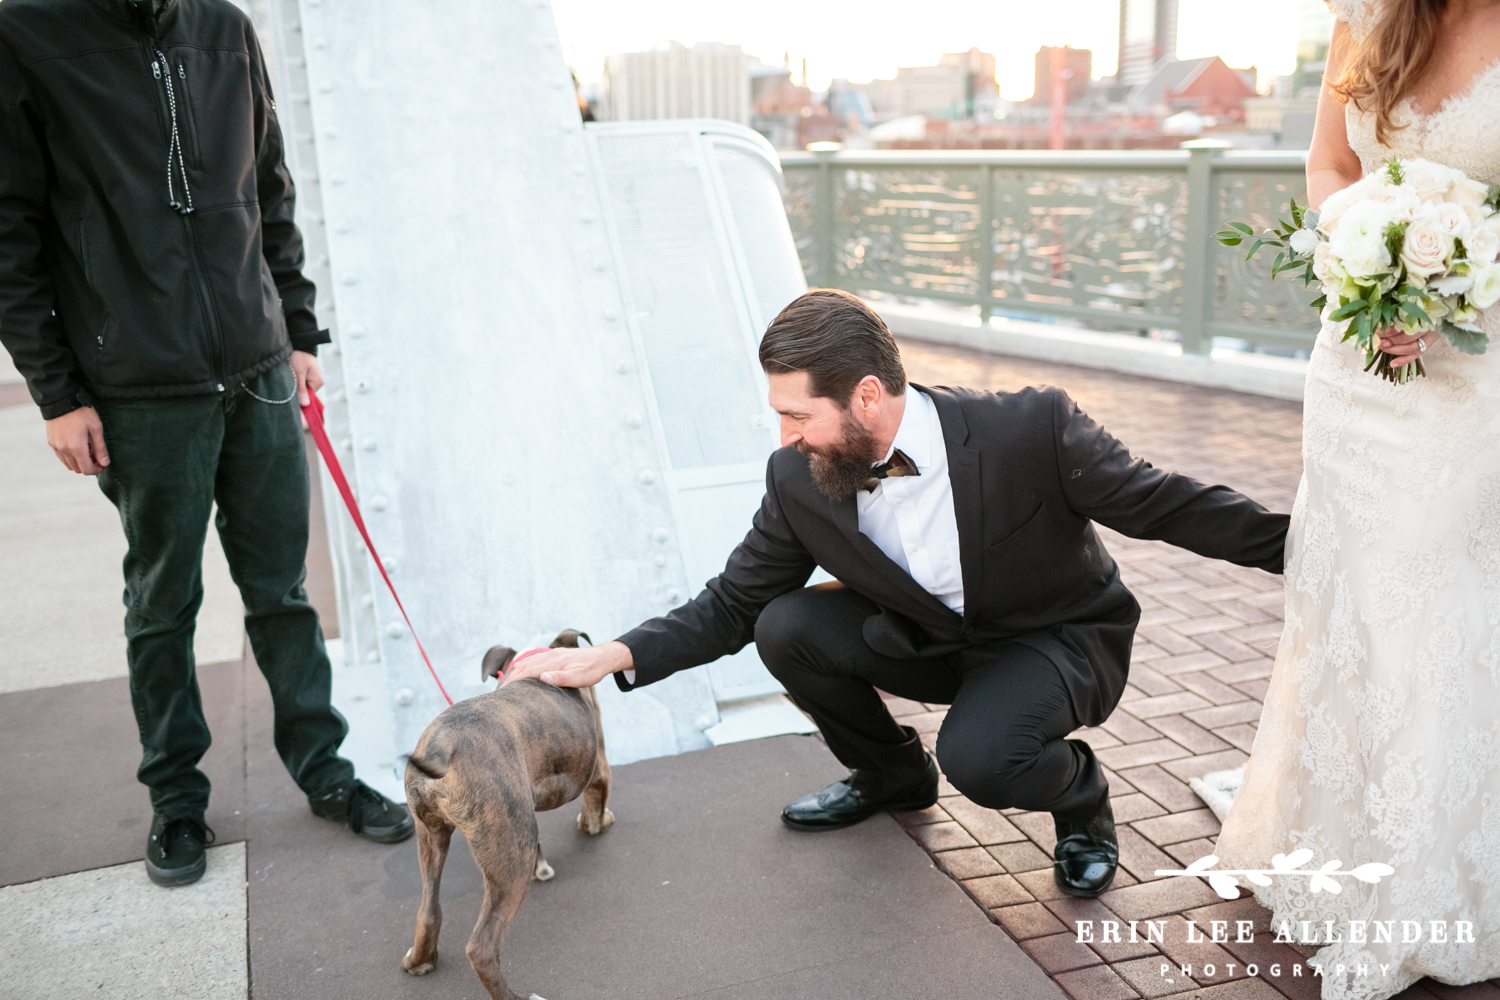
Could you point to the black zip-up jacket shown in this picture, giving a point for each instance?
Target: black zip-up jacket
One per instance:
(147, 246)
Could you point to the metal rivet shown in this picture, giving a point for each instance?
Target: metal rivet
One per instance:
(673, 596)
(336, 179)
(342, 227)
(351, 279)
(395, 630)
(632, 420)
(661, 536)
(660, 560)
(405, 697)
(611, 314)
(320, 42)
(646, 477)
(326, 86)
(345, 444)
(586, 217)
(508, 479)
(379, 503)
(368, 600)
(356, 330)
(579, 170)
(390, 565)
(622, 367)
(368, 444)
(331, 133)
(601, 264)
(373, 656)
(363, 385)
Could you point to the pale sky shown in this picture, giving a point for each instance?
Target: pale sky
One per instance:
(863, 40)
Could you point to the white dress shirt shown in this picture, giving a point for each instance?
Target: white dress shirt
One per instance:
(910, 518)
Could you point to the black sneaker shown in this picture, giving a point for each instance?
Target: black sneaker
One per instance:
(176, 851)
(367, 812)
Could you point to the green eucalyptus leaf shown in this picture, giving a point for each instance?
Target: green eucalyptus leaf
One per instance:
(1348, 309)
(1416, 312)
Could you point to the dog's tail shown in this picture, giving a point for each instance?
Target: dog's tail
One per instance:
(431, 769)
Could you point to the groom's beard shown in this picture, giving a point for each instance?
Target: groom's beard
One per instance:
(841, 469)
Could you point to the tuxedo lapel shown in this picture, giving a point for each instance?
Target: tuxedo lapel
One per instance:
(846, 516)
(963, 476)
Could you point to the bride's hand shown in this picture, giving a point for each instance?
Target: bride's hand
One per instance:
(1404, 348)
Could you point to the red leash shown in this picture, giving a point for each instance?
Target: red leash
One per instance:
(313, 414)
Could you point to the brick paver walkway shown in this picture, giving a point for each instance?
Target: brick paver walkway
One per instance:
(1200, 667)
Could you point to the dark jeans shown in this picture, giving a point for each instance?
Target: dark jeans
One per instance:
(170, 461)
(1001, 744)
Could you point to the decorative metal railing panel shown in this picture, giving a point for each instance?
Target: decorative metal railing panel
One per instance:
(1120, 241)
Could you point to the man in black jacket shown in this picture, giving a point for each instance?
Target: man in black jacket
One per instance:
(969, 574)
(151, 293)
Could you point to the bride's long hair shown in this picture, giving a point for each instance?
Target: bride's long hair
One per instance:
(1382, 70)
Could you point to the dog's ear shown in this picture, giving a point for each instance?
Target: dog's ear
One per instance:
(495, 662)
(568, 638)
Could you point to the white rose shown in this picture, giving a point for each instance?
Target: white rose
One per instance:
(1335, 205)
(1451, 219)
(1326, 266)
(1426, 248)
(1304, 242)
(1486, 290)
(1469, 193)
(1359, 240)
(1482, 245)
(1429, 181)
(1407, 207)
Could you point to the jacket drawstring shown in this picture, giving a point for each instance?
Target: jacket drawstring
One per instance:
(162, 70)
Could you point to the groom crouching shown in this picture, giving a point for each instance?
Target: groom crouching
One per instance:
(958, 524)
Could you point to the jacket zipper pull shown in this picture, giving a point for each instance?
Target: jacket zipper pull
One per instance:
(181, 72)
(156, 69)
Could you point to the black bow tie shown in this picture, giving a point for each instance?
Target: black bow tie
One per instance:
(897, 465)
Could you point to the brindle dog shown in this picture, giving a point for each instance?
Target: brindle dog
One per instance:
(486, 766)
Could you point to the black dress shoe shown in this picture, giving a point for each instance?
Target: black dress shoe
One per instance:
(366, 812)
(841, 804)
(1087, 853)
(176, 850)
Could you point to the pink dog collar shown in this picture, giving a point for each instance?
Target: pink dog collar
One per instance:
(522, 656)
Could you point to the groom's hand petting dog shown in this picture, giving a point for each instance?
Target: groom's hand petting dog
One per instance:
(573, 667)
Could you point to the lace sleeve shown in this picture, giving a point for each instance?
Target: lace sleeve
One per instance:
(1358, 14)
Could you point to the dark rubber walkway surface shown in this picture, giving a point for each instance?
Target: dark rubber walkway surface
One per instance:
(697, 891)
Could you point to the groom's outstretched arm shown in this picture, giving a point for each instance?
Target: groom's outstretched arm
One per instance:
(771, 561)
(1102, 480)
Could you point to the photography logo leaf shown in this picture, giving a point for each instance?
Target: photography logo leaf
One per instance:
(1325, 879)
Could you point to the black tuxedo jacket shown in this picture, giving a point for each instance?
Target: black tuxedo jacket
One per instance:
(1030, 473)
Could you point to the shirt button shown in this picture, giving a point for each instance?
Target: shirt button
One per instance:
(900, 501)
(914, 548)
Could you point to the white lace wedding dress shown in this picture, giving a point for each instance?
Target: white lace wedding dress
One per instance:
(1380, 737)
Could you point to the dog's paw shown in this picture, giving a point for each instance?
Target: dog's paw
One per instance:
(412, 968)
(597, 824)
(543, 870)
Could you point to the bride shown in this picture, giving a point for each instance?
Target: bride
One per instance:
(1380, 736)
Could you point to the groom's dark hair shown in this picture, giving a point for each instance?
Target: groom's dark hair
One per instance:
(837, 340)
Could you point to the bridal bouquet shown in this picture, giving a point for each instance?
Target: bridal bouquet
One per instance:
(1409, 248)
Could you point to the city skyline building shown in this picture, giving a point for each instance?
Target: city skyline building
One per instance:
(707, 80)
(1148, 35)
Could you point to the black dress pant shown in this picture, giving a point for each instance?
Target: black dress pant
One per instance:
(1002, 744)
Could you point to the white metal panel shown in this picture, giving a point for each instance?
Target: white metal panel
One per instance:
(488, 380)
(543, 385)
(689, 285)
